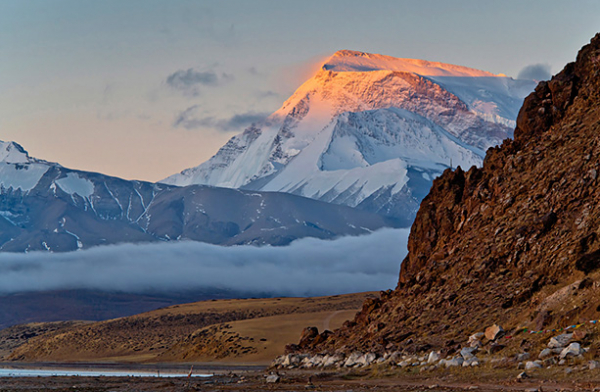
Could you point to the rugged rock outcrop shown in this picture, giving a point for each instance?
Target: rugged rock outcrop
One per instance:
(516, 242)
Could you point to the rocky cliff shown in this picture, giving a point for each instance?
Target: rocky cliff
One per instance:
(515, 242)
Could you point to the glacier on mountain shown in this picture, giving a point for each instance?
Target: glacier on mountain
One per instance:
(369, 131)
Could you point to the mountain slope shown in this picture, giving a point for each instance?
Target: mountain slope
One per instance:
(364, 128)
(513, 243)
(44, 206)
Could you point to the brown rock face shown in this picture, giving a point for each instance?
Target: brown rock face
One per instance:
(505, 243)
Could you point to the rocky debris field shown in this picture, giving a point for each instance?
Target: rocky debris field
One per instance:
(489, 349)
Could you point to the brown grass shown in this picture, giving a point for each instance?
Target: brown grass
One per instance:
(221, 330)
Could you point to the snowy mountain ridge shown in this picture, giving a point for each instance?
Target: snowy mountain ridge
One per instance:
(369, 131)
(47, 207)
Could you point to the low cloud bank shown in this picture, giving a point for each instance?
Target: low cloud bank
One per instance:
(305, 267)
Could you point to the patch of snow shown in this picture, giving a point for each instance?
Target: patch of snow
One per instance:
(45, 245)
(74, 184)
(8, 216)
(11, 152)
(79, 243)
(21, 176)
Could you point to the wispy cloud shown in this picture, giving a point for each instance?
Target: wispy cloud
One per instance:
(306, 267)
(190, 119)
(189, 81)
(535, 72)
(267, 94)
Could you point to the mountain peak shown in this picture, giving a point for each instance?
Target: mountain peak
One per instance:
(500, 244)
(355, 61)
(11, 152)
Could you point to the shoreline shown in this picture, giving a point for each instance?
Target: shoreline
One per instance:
(165, 368)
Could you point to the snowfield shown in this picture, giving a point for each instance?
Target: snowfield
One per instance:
(361, 130)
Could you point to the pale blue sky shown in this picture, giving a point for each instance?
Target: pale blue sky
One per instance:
(85, 83)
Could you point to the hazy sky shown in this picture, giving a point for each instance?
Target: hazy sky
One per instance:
(143, 89)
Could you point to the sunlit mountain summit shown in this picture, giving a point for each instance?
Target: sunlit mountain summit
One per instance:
(369, 131)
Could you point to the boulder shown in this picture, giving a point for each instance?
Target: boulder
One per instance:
(475, 339)
(494, 332)
(545, 353)
(573, 350)
(560, 340)
(272, 378)
(593, 365)
(457, 361)
(531, 365)
(332, 360)
(366, 359)
(467, 352)
(473, 361)
(291, 360)
(433, 357)
(353, 359)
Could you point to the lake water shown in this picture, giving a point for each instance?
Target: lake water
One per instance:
(88, 373)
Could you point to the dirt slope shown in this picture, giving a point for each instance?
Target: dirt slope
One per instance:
(223, 330)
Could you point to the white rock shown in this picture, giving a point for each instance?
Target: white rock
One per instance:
(332, 360)
(366, 360)
(545, 353)
(291, 360)
(530, 365)
(593, 365)
(560, 340)
(467, 352)
(433, 357)
(273, 378)
(573, 350)
(353, 359)
(457, 361)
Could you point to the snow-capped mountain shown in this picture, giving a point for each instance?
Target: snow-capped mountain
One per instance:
(369, 131)
(45, 206)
